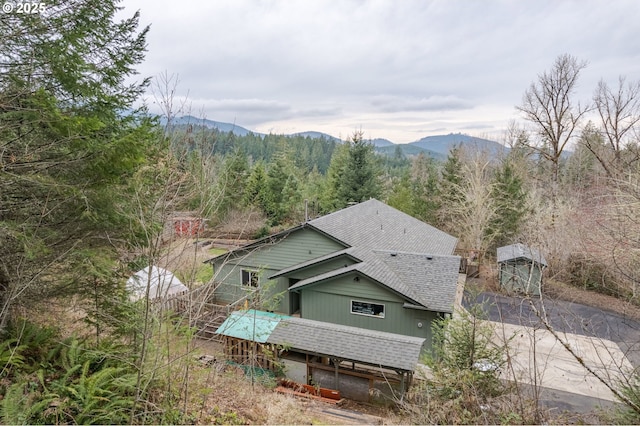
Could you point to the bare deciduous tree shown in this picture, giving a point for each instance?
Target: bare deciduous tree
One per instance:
(619, 113)
(549, 105)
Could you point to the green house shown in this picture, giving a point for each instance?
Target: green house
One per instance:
(368, 266)
(520, 269)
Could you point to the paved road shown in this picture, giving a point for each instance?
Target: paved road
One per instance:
(567, 317)
(566, 386)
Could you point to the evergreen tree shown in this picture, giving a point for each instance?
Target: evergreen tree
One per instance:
(358, 179)
(588, 160)
(402, 196)
(255, 193)
(292, 197)
(312, 186)
(509, 198)
(335, 174)
(68, 149)
(451, 192)
(277, 178)
(424, 181)
(233, 181)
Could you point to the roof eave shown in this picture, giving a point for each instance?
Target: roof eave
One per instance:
(322, 259)
(419, 307)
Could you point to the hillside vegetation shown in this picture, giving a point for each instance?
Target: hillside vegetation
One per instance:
(88, 184)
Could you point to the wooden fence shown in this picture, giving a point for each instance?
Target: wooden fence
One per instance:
(196, 308)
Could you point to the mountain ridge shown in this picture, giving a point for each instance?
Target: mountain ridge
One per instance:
(437, 146)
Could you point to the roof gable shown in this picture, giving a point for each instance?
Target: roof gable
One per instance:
(313, 262)
(520, 251)
(271, 240)
(427, 280)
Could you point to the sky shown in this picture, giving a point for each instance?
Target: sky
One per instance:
(394, 69)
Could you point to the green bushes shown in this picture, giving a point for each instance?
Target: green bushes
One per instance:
(466, 367)
(465, 385)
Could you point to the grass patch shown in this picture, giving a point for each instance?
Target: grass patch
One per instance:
(216, 251)
(205, 271)
(204, 274)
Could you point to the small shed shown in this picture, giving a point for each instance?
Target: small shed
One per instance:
(520, 269)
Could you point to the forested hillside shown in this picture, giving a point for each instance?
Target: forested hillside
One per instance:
(87, 182)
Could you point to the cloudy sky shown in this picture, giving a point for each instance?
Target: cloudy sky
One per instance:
(396, 69)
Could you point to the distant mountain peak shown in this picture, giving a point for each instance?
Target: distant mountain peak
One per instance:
(379, 142)
(210, 124)
(444, 143)
(317, 135)
(434, 146)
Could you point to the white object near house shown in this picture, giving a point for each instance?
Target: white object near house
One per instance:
(161, 283)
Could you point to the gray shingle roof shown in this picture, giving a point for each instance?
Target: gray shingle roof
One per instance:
(375, 225)
(432, 278)
(520, 251)
(352, 343)
(370, 266)
(373, 230)
(428, 280)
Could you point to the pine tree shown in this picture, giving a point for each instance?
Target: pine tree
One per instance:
(451, 192)
(402, 196)
(353, 175)
(70, 143)
(329, 196)
(255, 193)
(509, 198)
(234, 181)
(425, 180)
(361, 176)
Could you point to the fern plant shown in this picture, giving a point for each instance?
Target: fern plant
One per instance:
(11, 356)
(102, 397)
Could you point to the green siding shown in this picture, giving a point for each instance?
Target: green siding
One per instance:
(331, 302)
(363, 287)
(229, 286)
(297, 247)
(521, 276)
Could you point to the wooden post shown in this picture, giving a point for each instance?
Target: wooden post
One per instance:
(336, 365)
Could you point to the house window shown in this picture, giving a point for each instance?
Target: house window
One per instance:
(366, 308)
(250, 278)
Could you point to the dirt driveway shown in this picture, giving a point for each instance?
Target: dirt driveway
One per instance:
(607, 342)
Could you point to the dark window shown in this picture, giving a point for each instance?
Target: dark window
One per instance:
(250, 278)
(367, 308)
